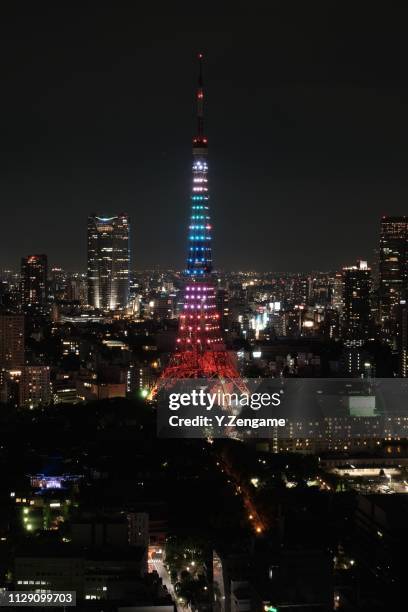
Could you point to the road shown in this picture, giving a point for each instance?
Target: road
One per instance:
(164, 575)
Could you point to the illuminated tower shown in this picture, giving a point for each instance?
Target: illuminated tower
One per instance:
(200, 351)
(108, 262)
(199, 327)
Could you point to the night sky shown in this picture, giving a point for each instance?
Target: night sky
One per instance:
(307, 119)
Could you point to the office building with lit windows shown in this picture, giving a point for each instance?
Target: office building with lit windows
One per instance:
(34, 280)
(356, 316)
(356, 301)
(393, 271)
(35, 386)
(108, 262)
(11, 340)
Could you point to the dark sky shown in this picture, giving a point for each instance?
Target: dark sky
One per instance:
(307, 117)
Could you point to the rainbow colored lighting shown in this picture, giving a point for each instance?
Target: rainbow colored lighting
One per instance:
(200, 350)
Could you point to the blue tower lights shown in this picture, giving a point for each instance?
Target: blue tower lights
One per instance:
(199, 261)
(199, 322)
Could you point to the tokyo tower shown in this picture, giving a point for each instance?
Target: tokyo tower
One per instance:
(200, 351)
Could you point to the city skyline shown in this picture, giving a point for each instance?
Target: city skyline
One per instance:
(320, 146)
(204, 307)
(55, 265)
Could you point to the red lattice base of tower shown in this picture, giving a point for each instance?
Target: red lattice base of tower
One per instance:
(218, 366)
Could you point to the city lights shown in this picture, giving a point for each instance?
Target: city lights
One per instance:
(133, 470)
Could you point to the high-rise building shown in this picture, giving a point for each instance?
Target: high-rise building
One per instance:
(35, 386)
(108, 262)
(403, 342)
(356, 301)
(11, 340)
(336, 290)
(57, 284)
(34, 280)
(26, 386)
(76, 289)
(393, 275)
(356, 318)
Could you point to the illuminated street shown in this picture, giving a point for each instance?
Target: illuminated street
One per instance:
(160, 568)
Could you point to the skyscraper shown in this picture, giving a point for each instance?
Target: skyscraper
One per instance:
(11, 340)
(108, 262)
(403, 342)
(35, 386)
(34, 280)
(356, 301)
(356, 317)
(393, 274)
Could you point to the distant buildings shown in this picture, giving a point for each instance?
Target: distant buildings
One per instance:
(34, 280)
(337, 291)
(108, 262)
(21, 384)
(26, 386)
(95, 574)
(102, 557)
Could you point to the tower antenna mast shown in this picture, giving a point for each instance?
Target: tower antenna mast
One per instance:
(200, 97)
